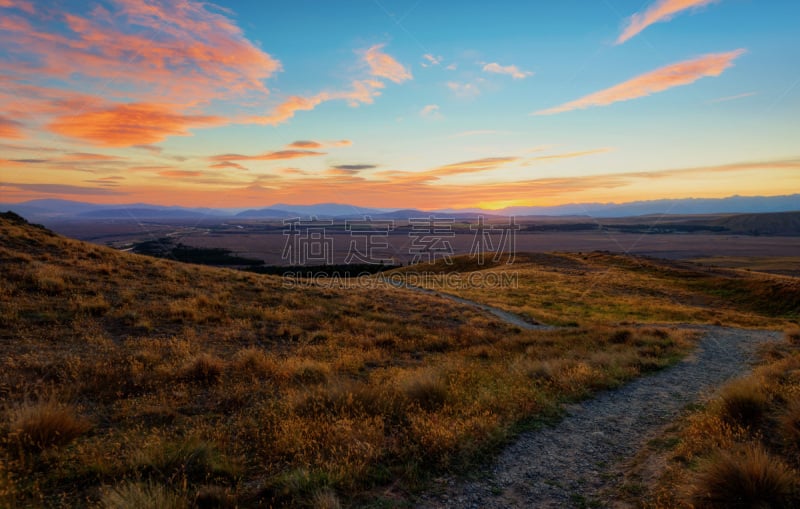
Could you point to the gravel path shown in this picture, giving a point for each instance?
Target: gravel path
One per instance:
(568, 464)
(507, 317)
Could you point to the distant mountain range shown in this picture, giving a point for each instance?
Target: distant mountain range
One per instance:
(49, 210)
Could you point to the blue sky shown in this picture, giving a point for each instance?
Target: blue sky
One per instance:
(400, 103)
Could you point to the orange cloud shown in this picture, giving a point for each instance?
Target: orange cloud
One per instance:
(228, 164)
(180, 173)
(186, 51)
(184, 55)
(662, 10)
(384, 66)
(10, 128)
(269, 156)
(675, 75)
(129, 124)
(362, 92)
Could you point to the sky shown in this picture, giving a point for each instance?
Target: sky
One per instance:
(398, 103)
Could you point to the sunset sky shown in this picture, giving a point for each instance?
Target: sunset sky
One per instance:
(398, 103)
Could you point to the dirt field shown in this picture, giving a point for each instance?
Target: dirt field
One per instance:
(269, 245)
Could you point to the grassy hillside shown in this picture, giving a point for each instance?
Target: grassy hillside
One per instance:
(741, 449)
(584, 289)
(130, 381)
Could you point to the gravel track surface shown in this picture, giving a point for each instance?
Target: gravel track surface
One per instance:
(572, 462)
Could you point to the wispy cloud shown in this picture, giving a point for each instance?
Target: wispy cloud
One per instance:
(355, 167)
(466, 90)
(510, 70)
(180, 174)
(10, 128)
(383, 65)
(268, 156)
(570, 155)
(431, 60)
(183, 54)
(661, 10)
(430, 111)
(732, 97)
(305, 144)
(22, 5)
(674, 75)
(227, 164)
(62, 189)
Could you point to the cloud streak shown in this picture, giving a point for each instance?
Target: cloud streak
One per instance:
(662, 10)
(268, 156)
(674, 75)
(10, 128)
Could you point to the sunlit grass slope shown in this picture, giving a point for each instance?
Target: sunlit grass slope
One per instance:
(129, 381)
(583, 289)
(742, 449)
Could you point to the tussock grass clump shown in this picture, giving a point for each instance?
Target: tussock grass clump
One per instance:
(326, 498)
(427, 388)
(47, 423)
(204, 369)
(132, 495)
(789, 425)
(746, 478)
(181, 460)
(744, 402)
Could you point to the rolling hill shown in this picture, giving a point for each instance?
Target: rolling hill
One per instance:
(140, 381)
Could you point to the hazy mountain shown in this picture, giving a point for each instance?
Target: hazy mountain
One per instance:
(268, 213)
(138, 213)
(53, 209)
(327, 210)
(733, 204)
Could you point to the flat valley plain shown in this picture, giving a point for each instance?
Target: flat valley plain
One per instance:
(265, 240)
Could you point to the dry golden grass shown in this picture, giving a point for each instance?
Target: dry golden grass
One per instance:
(220, 385)
(133, 495)
(744, 478)
(741, 450)
(44, 424)
(583, 289)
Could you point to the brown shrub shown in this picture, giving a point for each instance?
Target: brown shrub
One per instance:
(137, 495)
(744, 402)
(427, 389)
(789, 425)
(746, 478)
(204, 368)
(45, 424)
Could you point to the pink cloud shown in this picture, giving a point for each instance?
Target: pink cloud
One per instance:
(510, 70)
(662, 10)
(674, 75)
(384, 66)
(10, 128)
(22, 5)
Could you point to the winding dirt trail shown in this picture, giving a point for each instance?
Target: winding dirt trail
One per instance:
(507, 317)
(571, 463)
